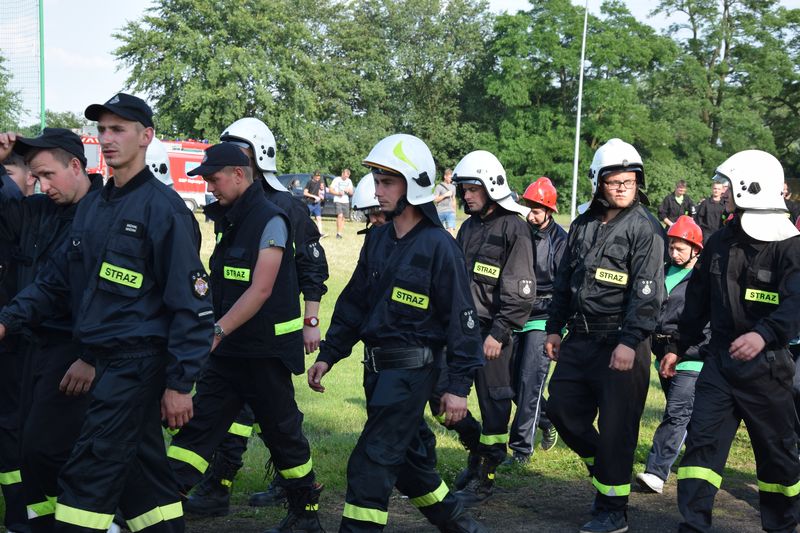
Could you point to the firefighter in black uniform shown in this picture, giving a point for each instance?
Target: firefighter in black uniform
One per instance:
(258, 337)
(212, 495)
(499, 253)
(11, 361)
(408, 297)
(531, 364)
(608, 293)
(56, 380)
(747, 284)
(139, 298)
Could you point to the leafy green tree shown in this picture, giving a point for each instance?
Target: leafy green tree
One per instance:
(10, 102)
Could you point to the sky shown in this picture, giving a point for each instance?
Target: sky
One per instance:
(80, 68)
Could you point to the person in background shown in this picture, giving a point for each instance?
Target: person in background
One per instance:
(19, 173)
(342, 189)
(314, 193)
(444, 196)
(792, 205)
(676, 204)
(711, 212)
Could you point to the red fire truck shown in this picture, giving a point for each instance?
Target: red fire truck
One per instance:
(183, 157)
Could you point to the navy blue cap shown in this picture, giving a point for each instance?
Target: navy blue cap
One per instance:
(52, 138)
(124, 105)
(218, 157)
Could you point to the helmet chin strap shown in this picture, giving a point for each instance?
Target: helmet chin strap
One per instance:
(692, 255)
(402, 203)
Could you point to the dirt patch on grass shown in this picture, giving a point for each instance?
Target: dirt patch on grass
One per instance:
(546, 505)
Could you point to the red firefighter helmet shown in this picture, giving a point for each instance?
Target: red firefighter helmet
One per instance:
(542, 192)
(797, 223)
(687, 229)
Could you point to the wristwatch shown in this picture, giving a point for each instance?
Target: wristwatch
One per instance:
(311, 321)
(219, 332)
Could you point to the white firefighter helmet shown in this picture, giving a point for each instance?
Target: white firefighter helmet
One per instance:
(259, 138)
(364, 195)
(158, 161)
(410, 157)
(756, 187)
(614, 155)
(483, 168)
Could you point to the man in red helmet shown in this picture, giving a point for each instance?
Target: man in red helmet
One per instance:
(531, 364)
(677, 374)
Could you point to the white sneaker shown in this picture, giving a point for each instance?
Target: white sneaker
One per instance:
(114, 528)
(650, 482)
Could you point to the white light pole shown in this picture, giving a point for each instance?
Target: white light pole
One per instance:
(578, 120)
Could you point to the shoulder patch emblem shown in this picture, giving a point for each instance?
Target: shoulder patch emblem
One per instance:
(646, 288)
(199, 282)
(468, 321)
(525, 287)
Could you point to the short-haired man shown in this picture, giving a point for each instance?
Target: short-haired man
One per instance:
(608, 292)
(342, 190)
(711, 212)
(445, 200)
(54, 387)
(258, 337)
(675, 204)
(19, 173)
(131, 272)
(409, 302)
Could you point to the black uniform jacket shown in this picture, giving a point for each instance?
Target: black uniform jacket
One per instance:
(742, 285)
(406, 292)
(131, 272)
(38, 227)
(549, 245)
(310, 261)
(499, 255)
(275, 330)
(612, 269)
(710, 216)
(670, 315)
(671, 209)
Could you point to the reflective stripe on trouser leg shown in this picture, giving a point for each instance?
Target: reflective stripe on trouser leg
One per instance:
(430, 498)
(297, 472)
(41, 509)
(189, 457)
(241, 430)
(790, 491)
(154, 516)
(10, 478)
(700, 472)
(82, 517)
(612, 490)
(363, 514)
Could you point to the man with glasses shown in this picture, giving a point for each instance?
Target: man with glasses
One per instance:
(608, 293)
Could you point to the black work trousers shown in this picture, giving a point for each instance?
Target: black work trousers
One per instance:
(396, 448)
(11, 378)
(531, 366)
(759, 392)
(119, 460)
(227, 384)
(583, 388)
(52, 425)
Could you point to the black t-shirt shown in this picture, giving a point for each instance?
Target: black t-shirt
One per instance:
(313, 188)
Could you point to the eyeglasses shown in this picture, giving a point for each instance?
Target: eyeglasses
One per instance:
(615, 184)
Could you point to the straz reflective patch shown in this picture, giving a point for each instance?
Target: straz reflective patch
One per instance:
(611, 276)
(755, 295)
(120, 275)
(420, 301)
(486, 270)
(239, 274)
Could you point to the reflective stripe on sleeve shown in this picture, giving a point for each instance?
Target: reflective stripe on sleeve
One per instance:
(787, 490)
(189, 457)
(431, 498)
(297, 471)
(81, 518)
(354, 512)
(700, 472)
(612, 490)
(154, 516)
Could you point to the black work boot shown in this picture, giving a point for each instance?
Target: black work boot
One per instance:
(303, 504)
(480, 488)
(212, 496)
(462, 522)
(607, 522)
(274, 495)
(469, 473)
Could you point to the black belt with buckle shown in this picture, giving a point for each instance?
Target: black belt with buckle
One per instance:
(595, 325)
(377, 359)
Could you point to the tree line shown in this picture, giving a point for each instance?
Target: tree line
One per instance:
(331, 78)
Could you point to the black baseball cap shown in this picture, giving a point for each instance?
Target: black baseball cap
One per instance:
(218, 157)
(126, 106)
(52, 138)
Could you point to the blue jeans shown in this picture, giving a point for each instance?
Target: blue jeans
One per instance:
(448, 220)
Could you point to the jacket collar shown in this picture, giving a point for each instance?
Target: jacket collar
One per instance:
(111, 192)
